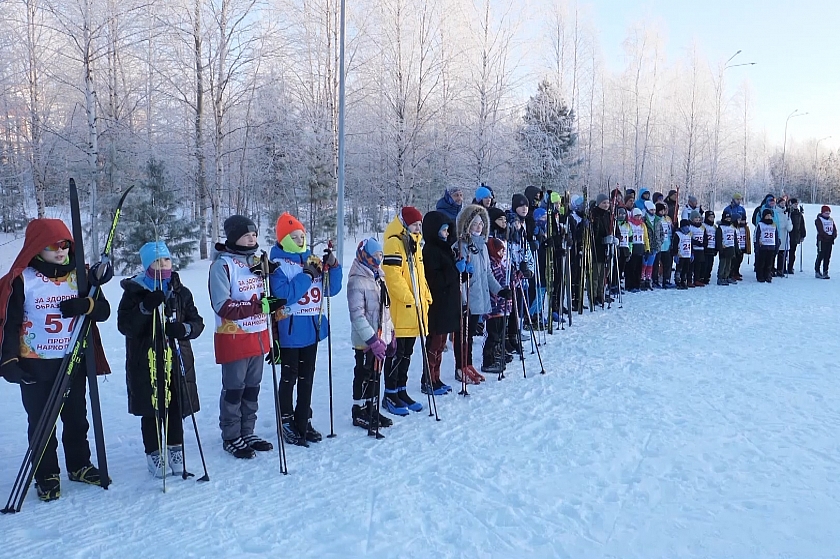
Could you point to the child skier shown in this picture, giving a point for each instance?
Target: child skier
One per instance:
(640, 246)
(140, 321)
(744, 247)
(826, 233)
(444, 284)
(653, 226)
(494, 352)
(306, 279)
(405, 278)
(681, 248)
(727, 242)
(711, 246)
(767, 243)
(39, 305)
(624, 232)
(371, 332)
(474, 261)
(664, 260)
(699, 241)
(242, 306)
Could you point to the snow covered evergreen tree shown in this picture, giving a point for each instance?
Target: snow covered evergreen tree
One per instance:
(153, 212)
(546, 137)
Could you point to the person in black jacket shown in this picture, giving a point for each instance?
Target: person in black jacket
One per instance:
(445, 287)
(39, 308)
(797, 234)
(159, 289)
(602, 234)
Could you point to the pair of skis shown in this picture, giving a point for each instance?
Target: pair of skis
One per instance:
(80, 347)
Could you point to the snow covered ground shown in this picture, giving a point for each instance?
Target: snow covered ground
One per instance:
(699, 423)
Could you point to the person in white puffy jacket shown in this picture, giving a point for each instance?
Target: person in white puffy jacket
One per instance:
(784, 226)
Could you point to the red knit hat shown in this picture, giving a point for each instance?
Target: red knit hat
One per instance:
(494, 248)
(825, 209)
(287, 223)
(409, 215)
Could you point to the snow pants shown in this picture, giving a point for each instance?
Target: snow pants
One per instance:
(666, 263)
(791, 257)
(298, 368)
(724, 267)
(698, 269)
(493, 342)
(396, 366)
(434, 350)
(647, 265)
(684, 271)
(364, 376)
(633, 272)
(73, 415)
(764, 260)
(823, 256)
(710, 263)
(463, 351)
(239, 402)
(736, 264)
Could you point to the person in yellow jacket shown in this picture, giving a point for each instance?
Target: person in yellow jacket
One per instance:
(405, 279)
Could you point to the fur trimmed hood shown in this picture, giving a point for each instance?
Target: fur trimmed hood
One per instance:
(466, 217)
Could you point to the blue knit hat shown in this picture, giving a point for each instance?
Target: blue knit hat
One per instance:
(539, 214)
(483, 192)
(151, 251)
(366, 251)
(577, 203)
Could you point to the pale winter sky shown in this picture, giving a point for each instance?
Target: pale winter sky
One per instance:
(796, 46)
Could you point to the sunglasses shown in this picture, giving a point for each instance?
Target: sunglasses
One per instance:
(60, 245)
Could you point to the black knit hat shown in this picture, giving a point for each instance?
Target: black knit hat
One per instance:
(495, 213)
(238, 225)
(518, 201)
(766, 212)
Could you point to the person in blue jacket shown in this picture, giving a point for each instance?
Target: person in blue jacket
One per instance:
(451, 202)
(644, 196)
(302, 277)
(736, 210)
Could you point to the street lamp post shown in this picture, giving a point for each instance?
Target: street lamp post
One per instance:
(816, 170)
(340, 170)
(718, 107)
(784, 145)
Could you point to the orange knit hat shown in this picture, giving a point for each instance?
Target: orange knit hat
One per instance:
(287, 223)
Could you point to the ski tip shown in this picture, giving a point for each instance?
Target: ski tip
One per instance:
(72, 182)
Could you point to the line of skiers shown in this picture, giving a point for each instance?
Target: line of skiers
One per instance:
(458, 272)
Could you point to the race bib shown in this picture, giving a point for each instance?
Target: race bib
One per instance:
(767, 234)
(244, 286)
(44, 333)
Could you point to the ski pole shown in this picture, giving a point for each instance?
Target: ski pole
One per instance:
(183, 384)
(281, 448)
(327, 252)
(531, 324)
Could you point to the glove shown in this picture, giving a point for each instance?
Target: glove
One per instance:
(12, 372)
(525, 270)
(392, 347)
(153, 299)
(274, 354)
(330, 260)
(263, 261)
(76, 306)
(505, 293)
(532, 244)
(461, 265)
(100, 273)
(271, 304)
(312, 269)
(470, 268)
(177, 330)
(412, 246)
(377, 347)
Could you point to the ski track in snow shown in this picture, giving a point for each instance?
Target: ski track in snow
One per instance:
(696, 423)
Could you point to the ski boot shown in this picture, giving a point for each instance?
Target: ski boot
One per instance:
(393, 404)
(239, 448)
(408, 401)
(48, 487)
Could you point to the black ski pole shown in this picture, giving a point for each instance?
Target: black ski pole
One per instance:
(186, 394)
(531, 324)
(281, 448)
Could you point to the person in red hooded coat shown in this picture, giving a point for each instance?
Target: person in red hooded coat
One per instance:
(39, 306)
